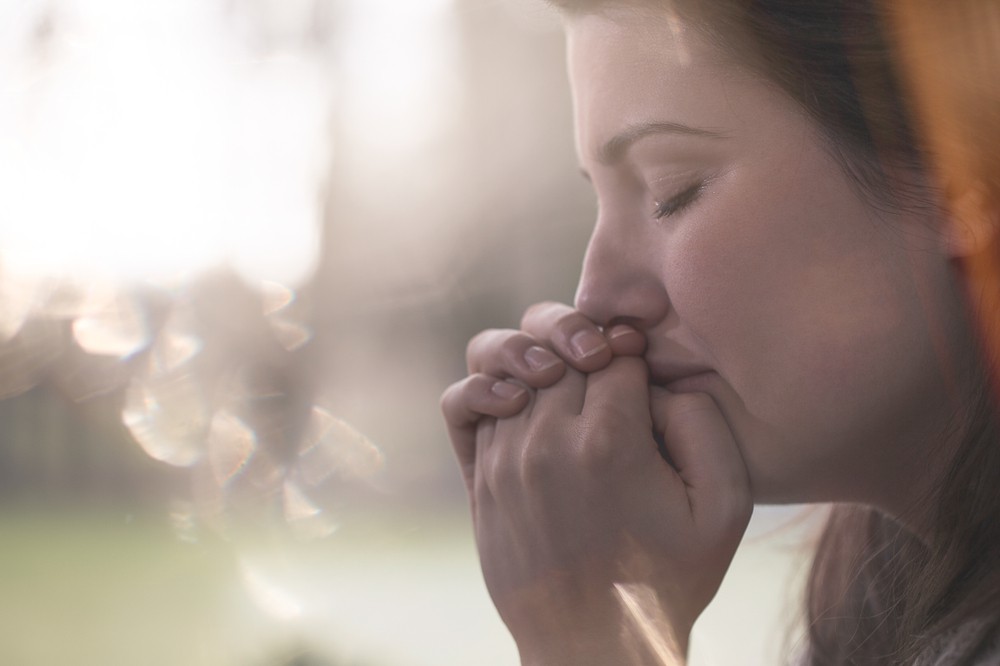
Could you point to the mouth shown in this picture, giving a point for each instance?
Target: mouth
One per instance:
(699, 383)
(680, 377)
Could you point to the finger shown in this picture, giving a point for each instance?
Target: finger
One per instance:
(564, 398)
(465, 402)
(625, 340)
(704, 453)
(570, 334)
(616, 414)
(479, 492)
(508, 353)
(621, 390)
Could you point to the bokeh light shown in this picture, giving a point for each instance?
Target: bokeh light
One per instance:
(242, 246)
(143, 141)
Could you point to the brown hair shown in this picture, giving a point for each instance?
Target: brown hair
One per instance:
(876, 593)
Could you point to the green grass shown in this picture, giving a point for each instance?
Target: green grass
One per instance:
(82, 588)
(100, 588)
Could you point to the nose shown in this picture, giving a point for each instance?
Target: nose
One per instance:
(622, 278)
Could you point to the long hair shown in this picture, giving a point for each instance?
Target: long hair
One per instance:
(876, 593)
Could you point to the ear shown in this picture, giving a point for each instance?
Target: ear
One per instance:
(973, 222)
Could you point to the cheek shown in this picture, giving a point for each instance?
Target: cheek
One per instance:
(820, 339)
(798, 300)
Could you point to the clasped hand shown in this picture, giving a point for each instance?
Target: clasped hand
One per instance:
(595, 549)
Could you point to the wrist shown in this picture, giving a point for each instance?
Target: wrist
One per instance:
(576, 624)
(625, 649)
(633, 637)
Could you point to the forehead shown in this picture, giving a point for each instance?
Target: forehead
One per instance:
(627, 68)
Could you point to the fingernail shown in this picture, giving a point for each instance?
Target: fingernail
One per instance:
(539, 358)
(620, 331)
(507, 391)
(587, 342)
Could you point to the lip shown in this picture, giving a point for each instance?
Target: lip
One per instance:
(697, 383)
(679, 377)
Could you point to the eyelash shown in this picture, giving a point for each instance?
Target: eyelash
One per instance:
(678, 203)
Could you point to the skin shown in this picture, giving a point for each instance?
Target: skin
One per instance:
(788, 340)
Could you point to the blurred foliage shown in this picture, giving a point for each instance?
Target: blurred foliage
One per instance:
(443, 211)
(459, 230)
(450, 202)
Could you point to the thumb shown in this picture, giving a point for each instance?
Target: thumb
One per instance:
(702, 449)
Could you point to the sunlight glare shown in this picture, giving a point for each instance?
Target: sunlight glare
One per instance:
(648, 620)
(306, 520)
(269, 596)
(167, 417)
(332, 446)
(115, 327)
(397, 68)
(151, 144)
(230, 445)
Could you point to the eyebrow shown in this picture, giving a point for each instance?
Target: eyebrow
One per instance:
(616, 147)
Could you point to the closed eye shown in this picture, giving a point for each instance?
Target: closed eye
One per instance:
(677, 203)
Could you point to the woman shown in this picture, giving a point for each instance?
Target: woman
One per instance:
(773, 308)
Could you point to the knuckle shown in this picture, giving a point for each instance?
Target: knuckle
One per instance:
(599, 458)
(544, 315)
(479, 341)
(476, 388)
(538, 464)
(474, 344)
(614, 418)
(600, 451)
(455, 398)
(506, 474)
(571, 321)
(498, 350)
(536, 311)
(497, 473)
(447, 400)
(472, 394)
(609, 423)
(513, 346)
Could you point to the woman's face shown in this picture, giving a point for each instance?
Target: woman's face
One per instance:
(824, 329)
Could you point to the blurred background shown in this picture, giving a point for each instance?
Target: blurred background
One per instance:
(242, 246)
